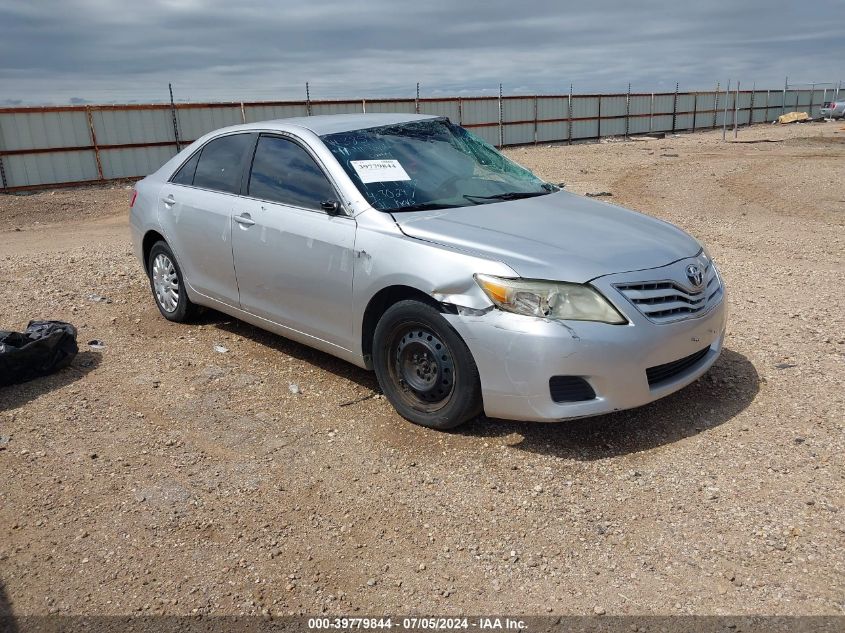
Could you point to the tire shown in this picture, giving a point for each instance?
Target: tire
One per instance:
(167, 284)
(424, 368)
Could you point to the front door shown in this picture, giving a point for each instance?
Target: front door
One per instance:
(293, 260)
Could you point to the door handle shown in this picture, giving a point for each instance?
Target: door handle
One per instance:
(244, 219)
(169, 201)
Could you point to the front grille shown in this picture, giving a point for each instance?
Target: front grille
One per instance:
(667, 301)
(661, 373)
(570, 389)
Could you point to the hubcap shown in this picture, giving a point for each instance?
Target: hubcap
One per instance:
(165, 282)
(424, 367)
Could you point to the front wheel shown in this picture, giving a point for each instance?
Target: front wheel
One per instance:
(424, 368)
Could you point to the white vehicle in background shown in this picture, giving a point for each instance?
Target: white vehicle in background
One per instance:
(833, 109)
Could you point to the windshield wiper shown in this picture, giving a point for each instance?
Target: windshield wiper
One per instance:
(509, 195)
(422, 206)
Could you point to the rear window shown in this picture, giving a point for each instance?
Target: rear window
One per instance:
(185, 175)
(220, 165)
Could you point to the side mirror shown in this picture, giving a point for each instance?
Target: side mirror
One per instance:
(332, 207)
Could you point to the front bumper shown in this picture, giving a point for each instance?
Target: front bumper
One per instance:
(517, 355)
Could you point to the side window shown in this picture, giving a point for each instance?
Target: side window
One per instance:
(185, 175)
(284, 172)
(221, 162)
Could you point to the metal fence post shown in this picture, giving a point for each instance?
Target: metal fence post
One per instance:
(307, 98)
(627, 111)
(694, 109)
(783, 101)
(94, 141)
(173, 114)
(460, 111)
(3, 182)
(569, 116)
(736, 106)
(501, 126)
(535, 119)
(751, 105)
(417, 99)
(812, 96)
(716, 106)
(768, 94)
(675, 108)
(599, 130)
(364, 106)
(725, 115)
(651, 115)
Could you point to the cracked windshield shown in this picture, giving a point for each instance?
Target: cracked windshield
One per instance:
(430, 164)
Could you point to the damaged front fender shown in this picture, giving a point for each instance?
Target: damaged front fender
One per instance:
(387, 258)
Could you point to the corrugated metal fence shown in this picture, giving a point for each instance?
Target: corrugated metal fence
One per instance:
(64, 145)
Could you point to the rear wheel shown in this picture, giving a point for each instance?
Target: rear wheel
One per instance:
(424, 368)
(167, 284)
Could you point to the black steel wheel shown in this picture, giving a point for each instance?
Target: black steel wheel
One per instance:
(424, 368)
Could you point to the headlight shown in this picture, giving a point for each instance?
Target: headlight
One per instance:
(549, 299)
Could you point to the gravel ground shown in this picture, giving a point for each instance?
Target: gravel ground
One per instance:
(158, 475)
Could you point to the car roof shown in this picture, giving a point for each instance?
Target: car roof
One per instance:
(333, 123)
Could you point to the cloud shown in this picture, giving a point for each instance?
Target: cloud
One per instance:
(113, 51)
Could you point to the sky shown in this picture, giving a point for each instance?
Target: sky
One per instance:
(113, 51)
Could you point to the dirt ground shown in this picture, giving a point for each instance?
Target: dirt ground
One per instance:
(158, 475)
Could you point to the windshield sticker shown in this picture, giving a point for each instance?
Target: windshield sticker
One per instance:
(384, 170)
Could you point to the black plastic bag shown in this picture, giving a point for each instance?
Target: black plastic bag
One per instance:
(45, 347)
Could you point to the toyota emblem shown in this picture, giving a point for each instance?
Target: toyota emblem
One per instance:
(695, 275)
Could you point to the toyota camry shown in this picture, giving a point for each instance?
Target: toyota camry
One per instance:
(406, 245)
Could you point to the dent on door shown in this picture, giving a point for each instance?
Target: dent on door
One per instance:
(198, 226)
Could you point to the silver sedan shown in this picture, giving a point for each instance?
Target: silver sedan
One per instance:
(406, 245)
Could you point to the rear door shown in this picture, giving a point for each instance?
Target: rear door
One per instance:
(293, 259)
(196, 208)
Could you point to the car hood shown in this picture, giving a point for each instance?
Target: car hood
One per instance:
(560, 236)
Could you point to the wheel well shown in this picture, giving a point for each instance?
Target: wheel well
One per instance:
(379, 304)
(147, 245)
